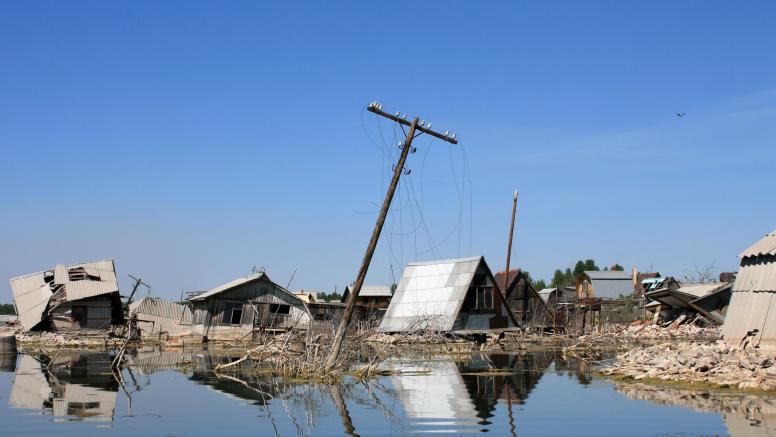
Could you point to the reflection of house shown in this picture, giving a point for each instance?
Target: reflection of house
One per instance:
(246, 305)
(752, 305)
(84, 295)
(446, 296)
(529, 309)
(604, 284)
(445, 396)
(77, 388)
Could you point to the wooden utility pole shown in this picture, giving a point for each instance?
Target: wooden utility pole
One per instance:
(414, 125)
(503, 296)
(138, 283)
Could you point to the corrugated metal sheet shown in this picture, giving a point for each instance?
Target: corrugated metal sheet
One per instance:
(60, 274)
(612, 288)
(31, 295)
(766, 246)
(375, 291)
(83, 289)
(161, 308)
(30, 388)
(751, 310)
(430, 295)
(595, 274)
(700, 290)
(756, 274)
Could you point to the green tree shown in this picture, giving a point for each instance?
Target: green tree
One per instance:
(7, 309)
(617, 268)
(539, 285)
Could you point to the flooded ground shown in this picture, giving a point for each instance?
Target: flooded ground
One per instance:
(174, 393)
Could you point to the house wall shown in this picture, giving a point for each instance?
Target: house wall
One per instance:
(99, 313)
(254, 299)
(750, 310)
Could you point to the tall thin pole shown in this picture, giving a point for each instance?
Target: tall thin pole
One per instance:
(331, 360)
(505, 292)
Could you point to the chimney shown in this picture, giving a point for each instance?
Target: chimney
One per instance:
(635, 276)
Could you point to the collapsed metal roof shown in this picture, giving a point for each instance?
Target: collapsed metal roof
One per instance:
(430, 295)
(32, 293)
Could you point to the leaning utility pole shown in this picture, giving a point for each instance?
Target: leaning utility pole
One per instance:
(414, 125)
(503, 295)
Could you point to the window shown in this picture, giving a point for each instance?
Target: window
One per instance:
(232, 313)
(279, 309)
(484, 298)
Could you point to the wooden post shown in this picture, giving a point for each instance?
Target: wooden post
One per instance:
(331, 360)
(505, 294)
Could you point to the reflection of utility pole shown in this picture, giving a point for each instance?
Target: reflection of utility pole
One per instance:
(342, 409)
(415, 125)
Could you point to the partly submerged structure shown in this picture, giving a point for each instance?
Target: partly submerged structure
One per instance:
(160, 318)
(445, 296)
(604, 284)
(84, 295)
(246, 306)
(752, 311)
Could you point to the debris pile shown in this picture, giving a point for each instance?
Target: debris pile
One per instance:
(716, 364)
(82, 338)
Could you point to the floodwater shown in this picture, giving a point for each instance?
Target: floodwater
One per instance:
(176, 393)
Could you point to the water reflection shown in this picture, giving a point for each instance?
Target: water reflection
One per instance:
(439, 394)
(68, 386)
(744, 414)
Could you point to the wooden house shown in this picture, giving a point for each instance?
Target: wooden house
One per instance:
(525, 303)
(245, 307)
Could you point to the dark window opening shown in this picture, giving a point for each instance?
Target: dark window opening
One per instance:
(78, 315)
(233, 313)
(484, 296)
(279, 309)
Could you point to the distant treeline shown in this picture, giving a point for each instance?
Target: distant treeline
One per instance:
(328, 297)
(7, 309)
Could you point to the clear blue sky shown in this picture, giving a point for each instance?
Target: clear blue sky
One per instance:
(190, 141)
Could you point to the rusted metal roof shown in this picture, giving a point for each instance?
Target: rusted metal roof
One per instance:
(766, 246)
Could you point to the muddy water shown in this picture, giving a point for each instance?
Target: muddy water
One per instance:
(176, 393)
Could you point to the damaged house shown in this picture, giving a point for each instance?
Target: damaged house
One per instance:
(247, 306)
(447, 296)
(709, 300)
(528, 307)
(77, 296)
(752, 311)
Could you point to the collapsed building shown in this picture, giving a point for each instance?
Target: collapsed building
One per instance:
(710, 301)
(749, 316)
(247, 306)
(77, 296)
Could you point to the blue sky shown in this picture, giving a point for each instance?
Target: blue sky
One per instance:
(191, 141)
